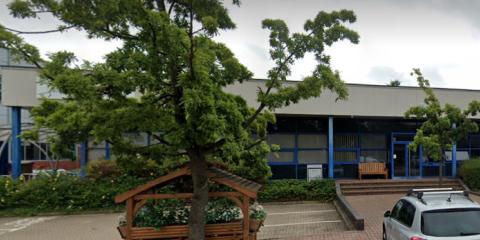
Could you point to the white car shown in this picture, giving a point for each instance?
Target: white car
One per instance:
(431, 214)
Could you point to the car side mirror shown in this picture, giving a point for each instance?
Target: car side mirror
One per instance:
(387, 214)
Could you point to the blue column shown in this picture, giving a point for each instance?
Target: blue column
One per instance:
(330, 147)
(16, 142)
(107, 151)
(454, 156)
(454, 160)
(83, 158)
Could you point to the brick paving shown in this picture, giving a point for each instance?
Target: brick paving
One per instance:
(74, 227)
(292, 220)
(278, 225)
(371, 207)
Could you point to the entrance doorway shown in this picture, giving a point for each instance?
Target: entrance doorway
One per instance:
(405, 163)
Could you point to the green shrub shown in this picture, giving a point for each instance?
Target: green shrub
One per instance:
(470, 173)
(8, 188)
(103, 169)
(60, 192)
(176, 212)
(298, 190)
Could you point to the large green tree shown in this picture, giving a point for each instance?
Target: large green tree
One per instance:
(167, 80)
(442, 125)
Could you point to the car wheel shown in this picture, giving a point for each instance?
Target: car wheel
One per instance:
(384, 234)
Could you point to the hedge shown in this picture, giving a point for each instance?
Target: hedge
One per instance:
(470, 173)
(297, 190)
(64, 193)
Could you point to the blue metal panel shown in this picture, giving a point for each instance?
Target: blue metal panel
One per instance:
(16, 143)
(454, 160)
(420, 153)
(330, 147)
(107, 151)
(83, 158)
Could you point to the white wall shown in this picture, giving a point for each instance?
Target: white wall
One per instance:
(363, 100)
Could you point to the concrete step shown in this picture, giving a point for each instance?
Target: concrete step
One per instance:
(380, 191)
(393, 182)
(388, 186)
(402, 185)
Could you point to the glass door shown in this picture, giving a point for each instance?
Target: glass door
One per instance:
(400, 159)
(406, 163)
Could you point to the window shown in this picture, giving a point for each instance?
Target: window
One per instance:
(396, 209)
(313, 156)
(280, 157)
(404, 213)
(312, 141)
(377, 141)
(454, 222)
(345, 141)
(345, 156)
(283, 140)
(373, 156)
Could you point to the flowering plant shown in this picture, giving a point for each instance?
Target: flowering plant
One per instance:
(257, 211)
(176, 212)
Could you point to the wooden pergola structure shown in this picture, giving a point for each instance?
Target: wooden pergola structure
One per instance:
(244, 192)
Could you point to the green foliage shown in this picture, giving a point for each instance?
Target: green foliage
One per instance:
(176, 212)
(64, 193)
(167, 81)
(103, 169)
(297, 190)
(470, 173)
(437, 132)
(394, 83)
(177, 73)
(8, 188)
(256, 211)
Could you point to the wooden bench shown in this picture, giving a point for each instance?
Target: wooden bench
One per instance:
(372, 168)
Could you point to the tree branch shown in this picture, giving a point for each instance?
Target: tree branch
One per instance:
(161, 140)
(60, 29)
(262, 105)
(170, 9)
(117, 34)
(254, 144)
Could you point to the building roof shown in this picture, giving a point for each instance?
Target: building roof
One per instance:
(242, 185)
(363, 101)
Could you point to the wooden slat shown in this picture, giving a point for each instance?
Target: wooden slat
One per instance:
(246, 217)
(142, 188)
(372, 168)
(129, 207)
(212, 231)
(183, 195)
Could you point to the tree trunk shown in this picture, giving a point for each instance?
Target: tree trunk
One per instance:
(196, 219)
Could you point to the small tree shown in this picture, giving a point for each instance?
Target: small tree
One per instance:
(167, 81)
(394, 83)
(442, 126)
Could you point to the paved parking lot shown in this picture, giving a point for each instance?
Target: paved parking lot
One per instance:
(305, 221)
(74, 227)
(284, 220)
(294, 220)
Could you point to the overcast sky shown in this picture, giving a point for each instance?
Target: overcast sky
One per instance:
(442, 37)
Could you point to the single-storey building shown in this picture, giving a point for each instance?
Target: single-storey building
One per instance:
(367, 127)
(320, 133)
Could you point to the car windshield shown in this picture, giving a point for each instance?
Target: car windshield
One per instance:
(451, 222)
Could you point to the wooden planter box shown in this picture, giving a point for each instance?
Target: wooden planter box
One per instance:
(222, 231)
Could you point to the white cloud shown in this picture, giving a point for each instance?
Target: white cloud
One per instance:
(440, 37)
